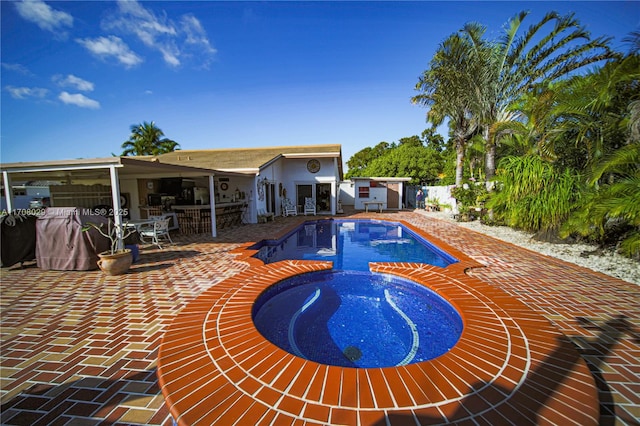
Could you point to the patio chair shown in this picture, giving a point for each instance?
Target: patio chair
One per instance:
(264, 216)
(288, 208)
(156, 231)
(309, 206)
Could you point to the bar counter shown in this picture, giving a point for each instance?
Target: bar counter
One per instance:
(196, 219)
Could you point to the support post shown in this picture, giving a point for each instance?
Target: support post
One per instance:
(212, 203)
(8, 191)
(117, 207)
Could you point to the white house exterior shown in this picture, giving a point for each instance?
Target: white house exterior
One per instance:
(266, 176)
(257, 178)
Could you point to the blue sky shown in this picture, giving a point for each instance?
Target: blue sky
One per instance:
(76, 75)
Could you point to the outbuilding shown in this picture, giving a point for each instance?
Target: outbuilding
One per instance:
(379, 193)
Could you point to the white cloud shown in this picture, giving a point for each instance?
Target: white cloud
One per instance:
(195, 33)
(73, 81)
(17, 68)
(196, 40)
(79, 100)
(26, 92)
(170, 54)
(111, 47)
(157, 31)
(143, 22)
(44, 16)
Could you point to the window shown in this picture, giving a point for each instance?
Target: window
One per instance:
(363, 192)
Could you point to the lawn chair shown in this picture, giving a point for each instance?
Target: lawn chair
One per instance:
(156, 231)
(309, 206)
(288, 208)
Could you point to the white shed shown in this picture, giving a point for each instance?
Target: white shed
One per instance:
(385, 193)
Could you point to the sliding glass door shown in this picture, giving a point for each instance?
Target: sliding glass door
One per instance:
(320, 192)
(323, 197)
(303, 191)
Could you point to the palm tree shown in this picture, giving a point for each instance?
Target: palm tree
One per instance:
(444, 87)
(147, 139)
(615, 204)
(518, 64)
(609, 124)
(596, 108)
(533, 133)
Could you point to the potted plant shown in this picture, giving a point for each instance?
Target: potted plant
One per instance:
(114, 261)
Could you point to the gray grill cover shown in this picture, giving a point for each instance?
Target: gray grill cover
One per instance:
(62, 245)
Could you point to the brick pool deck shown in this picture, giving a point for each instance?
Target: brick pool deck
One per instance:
(82, 348)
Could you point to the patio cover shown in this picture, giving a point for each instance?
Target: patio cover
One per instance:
(99, 168)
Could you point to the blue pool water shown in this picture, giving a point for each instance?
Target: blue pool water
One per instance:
(351, 245)
(349, 316)
(357, 319)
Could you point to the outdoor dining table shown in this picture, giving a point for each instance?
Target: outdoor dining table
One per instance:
(139, 223)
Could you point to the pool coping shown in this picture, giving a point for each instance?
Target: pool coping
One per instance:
(510, 364)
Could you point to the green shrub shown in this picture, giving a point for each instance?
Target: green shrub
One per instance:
(531, 194)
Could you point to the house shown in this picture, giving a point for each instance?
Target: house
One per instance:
(212, 180)
(265, 176)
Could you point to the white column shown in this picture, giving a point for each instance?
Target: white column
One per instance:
(117, 207)
(212, 203)
(8, 191)
(334, 198)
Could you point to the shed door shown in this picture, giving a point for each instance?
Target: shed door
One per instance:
(393, 196)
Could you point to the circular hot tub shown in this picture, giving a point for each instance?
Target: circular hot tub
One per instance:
(357, 319)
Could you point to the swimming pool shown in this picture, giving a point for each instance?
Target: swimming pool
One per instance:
(352, 244)
(357, 319)
(350, 316)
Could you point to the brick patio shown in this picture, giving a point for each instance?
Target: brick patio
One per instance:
(81, 348)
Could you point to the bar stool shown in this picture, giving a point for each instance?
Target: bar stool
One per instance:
(205, 222)
(154, 211)
(192, 217)
(183, 223)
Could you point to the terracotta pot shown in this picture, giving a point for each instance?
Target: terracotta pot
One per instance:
(115, 264)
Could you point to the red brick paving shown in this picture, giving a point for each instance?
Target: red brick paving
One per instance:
(81, 348)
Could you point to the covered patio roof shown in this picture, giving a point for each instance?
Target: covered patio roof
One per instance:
(98, 168)
(110, 168)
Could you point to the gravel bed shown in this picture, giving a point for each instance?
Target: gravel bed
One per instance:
(586, 255)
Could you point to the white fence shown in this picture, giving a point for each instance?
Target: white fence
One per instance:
(440, 194)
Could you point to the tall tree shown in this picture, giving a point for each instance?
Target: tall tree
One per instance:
(432, 139)
(419, 159)
(148, 139)
(594, 109)
(474, 82)
(358, 163)
(520, 63)
(608, 123)
(421, 164)
(444, 88)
